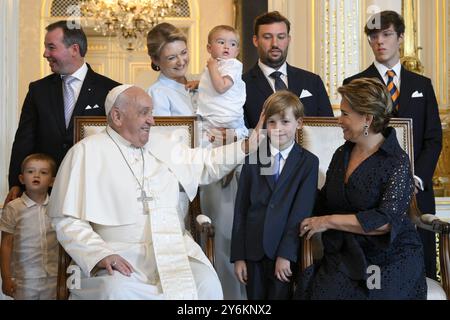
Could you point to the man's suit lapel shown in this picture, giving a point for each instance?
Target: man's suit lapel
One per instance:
(405, 91)
(57, 102)
(291, 164)
(260, 81)
(372, 72)
(264, 169)
(295, 83)
(85, 96)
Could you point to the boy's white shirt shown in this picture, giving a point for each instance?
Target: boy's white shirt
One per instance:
(382, 69)
(28, 221)
(267, 71)
(284, 154)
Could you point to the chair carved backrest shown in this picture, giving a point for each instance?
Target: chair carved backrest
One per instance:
(322, 136)
(184, 129)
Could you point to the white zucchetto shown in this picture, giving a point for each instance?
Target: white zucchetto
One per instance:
(113, 95)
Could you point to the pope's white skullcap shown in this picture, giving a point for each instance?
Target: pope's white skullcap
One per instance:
(113, 95)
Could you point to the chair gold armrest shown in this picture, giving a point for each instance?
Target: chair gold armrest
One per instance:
(443, 229)
(62, 292)
(207, 233)
(433, 224)
(306, 255)
(203, 233)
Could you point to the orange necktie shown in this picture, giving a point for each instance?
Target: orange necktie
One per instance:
(393, 89)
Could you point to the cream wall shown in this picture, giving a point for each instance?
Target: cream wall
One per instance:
(30, 54)
(9, 65)
(303, 18)
(433, 36)
(32, 31)
(212, 13)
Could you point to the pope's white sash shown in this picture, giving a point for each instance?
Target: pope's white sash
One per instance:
(172, 261)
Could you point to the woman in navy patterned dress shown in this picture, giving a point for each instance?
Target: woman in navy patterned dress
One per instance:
(371, 248)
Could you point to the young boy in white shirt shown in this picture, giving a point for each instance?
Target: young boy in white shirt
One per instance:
(29, 249)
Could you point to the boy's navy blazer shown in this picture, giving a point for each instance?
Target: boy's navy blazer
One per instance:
(418, 101)
(267, 214)
(258, 89)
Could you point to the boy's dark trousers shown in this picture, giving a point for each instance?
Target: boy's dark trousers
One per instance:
(262, 283)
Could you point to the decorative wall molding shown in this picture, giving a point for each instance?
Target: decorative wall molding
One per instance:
(190, 25)
(9, 53)
(325, 38)
(434, 37)
(339, 54)
(303, 16)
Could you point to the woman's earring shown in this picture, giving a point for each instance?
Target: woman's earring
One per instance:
(366, 130)
(155, 67)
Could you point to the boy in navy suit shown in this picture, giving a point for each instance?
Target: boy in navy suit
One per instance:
(275, 194)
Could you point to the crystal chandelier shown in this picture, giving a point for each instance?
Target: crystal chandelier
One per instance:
(130, 20)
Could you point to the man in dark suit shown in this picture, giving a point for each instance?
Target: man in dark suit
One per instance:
(74, 89)
(272, 73)
(413, 97)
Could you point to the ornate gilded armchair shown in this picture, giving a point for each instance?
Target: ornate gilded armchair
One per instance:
(322, 136)
(198, 225)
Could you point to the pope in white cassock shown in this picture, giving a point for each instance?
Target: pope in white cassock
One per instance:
(114, 206)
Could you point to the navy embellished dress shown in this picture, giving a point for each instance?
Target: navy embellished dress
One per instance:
(379, 191)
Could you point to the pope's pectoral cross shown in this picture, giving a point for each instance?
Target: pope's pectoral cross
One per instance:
(144, 199)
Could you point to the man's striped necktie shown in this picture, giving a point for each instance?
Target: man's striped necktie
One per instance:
(393, 90)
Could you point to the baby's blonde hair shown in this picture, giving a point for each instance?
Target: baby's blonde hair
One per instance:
(222, 27)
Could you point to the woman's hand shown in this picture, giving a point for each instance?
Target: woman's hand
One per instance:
(191, 85)
(114, 261)
(312, 225)
(283, 269)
